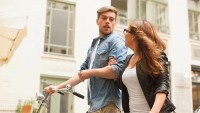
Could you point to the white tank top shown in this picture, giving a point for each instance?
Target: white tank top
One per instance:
(137, 101)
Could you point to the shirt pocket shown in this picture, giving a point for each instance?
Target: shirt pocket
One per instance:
(102, 57)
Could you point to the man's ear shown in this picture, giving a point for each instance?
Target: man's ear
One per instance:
(97, 21)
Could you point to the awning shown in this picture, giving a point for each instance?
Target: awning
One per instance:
(12, 32)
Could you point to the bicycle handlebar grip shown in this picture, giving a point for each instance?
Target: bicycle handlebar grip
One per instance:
(78, 95)
(60, 92)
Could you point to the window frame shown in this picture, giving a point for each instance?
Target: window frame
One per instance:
(66, 49)
(193, 34)
(161, 20)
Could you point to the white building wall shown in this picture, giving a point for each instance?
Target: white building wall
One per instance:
(180, 56)
(19, 79)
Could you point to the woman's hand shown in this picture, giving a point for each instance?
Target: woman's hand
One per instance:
(111, 60)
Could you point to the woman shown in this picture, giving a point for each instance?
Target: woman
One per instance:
(145, 80)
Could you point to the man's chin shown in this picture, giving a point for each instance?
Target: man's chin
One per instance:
(107, 32)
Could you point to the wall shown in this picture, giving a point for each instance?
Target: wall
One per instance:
(19, 79)
(180, 56)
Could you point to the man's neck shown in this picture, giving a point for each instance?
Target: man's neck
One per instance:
(104, 35)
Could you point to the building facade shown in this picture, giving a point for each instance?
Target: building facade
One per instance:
(59, 32)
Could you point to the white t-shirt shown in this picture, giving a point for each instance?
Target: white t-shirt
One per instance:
(137, 101)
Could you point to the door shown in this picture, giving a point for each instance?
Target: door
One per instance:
(57, 103)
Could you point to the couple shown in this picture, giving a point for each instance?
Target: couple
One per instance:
(142, 76)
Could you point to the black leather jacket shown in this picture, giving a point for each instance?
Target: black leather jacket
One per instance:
(150, 86)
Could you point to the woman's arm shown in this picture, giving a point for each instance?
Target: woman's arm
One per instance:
(105, 72)
(162, 82)
(158, 103)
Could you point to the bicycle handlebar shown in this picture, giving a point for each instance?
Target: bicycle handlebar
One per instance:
(44, 98)
(62, 91)
(78, 95)
(66, 90)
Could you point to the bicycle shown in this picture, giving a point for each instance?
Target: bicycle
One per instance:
(43, 99)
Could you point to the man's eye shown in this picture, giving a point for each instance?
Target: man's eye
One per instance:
(111, 19)
(104, 18)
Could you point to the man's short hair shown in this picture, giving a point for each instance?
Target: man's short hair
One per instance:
(107, 9)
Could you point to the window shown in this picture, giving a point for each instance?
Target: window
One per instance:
(59, 29)
(121, 5)
(155, 11)
(194, 24)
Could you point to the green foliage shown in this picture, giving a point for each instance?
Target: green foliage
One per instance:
(18, 108)
(30, 101)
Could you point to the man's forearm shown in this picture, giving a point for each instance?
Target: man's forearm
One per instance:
(72, 81)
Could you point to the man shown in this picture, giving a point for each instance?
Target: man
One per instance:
(106, 49)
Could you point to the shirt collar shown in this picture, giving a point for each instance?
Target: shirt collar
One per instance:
(103, 38)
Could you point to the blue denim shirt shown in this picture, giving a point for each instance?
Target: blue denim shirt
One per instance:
(104, 91)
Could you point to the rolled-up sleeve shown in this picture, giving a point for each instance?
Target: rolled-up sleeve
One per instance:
(118, 68)
(119, 53)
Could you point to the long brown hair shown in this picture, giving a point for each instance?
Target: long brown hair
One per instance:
(149, 46)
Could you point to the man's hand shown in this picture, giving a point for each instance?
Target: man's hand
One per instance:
(50, 89)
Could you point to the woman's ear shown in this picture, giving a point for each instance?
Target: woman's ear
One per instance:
(133, 37)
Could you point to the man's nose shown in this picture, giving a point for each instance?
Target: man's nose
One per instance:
(107, 20)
